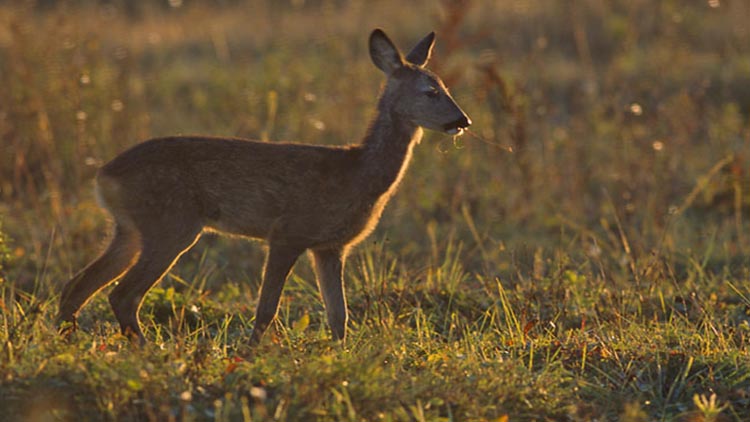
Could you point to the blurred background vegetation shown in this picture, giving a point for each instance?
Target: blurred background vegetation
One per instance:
(615, 110)
(610, 144)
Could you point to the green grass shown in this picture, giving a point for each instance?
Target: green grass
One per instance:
(599, 271)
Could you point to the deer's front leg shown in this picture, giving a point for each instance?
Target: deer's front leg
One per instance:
(279, 263)
(329, 268)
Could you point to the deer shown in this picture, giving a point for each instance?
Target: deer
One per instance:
(162, 194)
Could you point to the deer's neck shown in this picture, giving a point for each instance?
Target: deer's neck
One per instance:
(387, 151)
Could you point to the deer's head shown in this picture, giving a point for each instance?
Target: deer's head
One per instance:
(412, 92)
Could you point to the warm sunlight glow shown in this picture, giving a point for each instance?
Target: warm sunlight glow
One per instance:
(636, 109)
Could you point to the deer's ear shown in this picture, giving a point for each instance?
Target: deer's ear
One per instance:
(420, 54)
(384, 54)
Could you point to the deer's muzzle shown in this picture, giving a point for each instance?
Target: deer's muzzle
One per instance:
(457, 126)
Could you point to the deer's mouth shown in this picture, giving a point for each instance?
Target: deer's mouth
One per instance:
(457, 127)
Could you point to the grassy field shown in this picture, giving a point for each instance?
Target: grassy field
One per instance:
(581, 255)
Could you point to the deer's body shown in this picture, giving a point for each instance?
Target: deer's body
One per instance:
(311, 196)
(165, 192)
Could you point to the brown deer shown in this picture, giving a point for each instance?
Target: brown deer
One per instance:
(163, 193)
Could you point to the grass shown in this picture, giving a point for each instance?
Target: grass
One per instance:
(599, 271)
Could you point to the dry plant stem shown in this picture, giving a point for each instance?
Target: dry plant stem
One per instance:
(504, 147)
(702, 182)
(163, 193)
(505, 102)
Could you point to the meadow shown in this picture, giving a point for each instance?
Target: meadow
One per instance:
(580, 255)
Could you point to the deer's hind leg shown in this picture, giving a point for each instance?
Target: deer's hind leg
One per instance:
(115, 260)
(161, 246)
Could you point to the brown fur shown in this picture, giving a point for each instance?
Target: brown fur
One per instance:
(165, 192)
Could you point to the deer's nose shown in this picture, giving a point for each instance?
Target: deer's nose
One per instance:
(461, 123)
